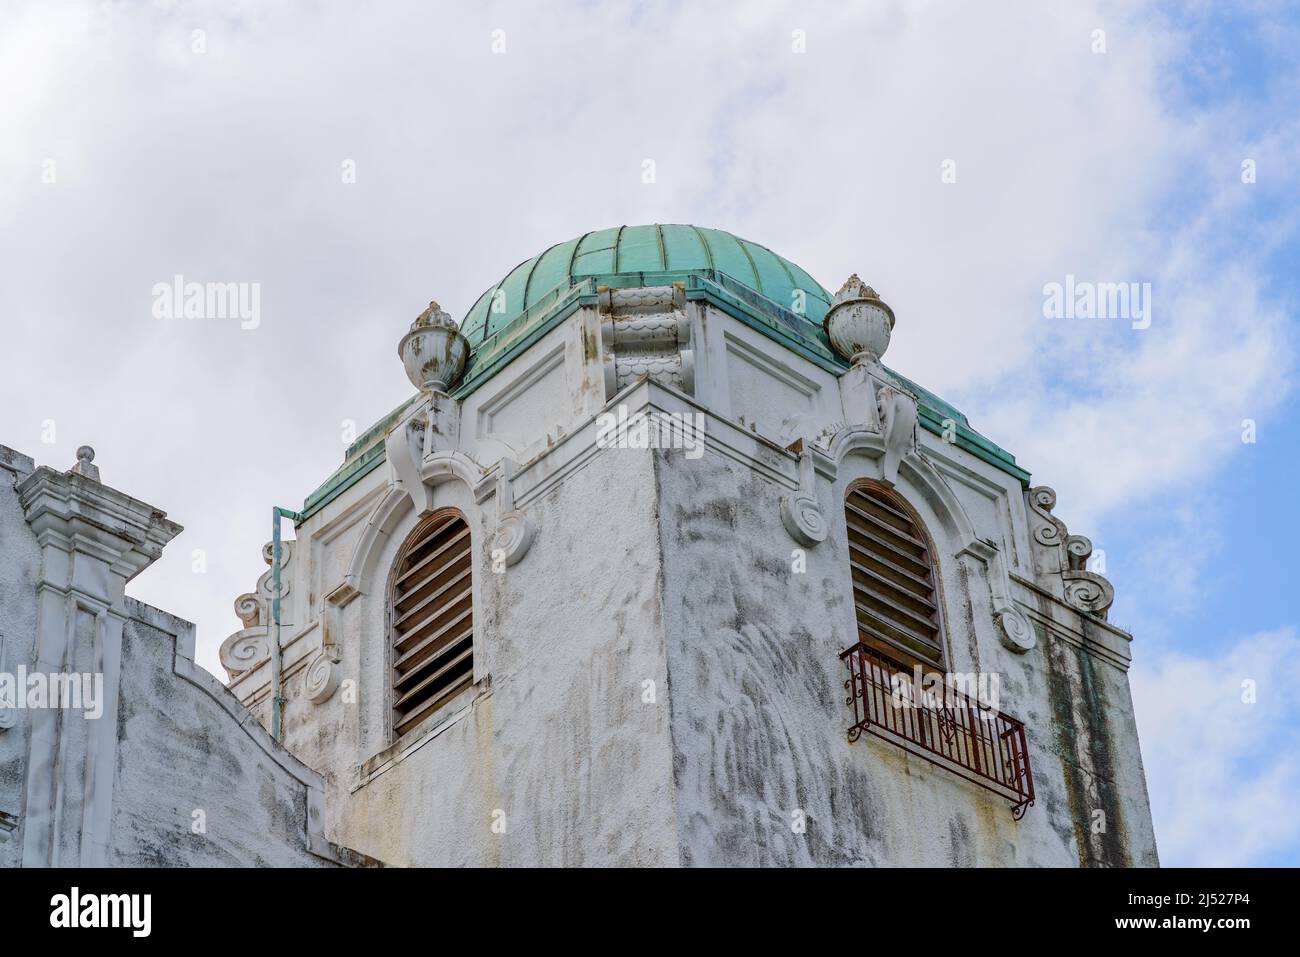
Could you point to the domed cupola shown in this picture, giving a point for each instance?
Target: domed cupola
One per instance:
(532, 293)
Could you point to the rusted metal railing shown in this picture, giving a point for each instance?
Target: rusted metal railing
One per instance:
(947, 727)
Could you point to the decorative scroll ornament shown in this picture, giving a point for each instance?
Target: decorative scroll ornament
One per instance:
(265, 587)
(250, 646)
(1087, 591)
(1014, 630)
(322, 678)
(515, 530)
(245, 650)
(800, 513)
(324, 673)
(249, 610)
(1051, 531)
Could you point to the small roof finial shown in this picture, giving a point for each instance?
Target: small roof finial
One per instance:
(84, 466)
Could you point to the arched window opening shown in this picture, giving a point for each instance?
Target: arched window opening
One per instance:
(894, 582)
(431, 618)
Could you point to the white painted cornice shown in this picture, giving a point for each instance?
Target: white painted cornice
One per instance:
(73, 513)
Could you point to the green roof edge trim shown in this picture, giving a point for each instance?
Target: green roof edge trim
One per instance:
(767, 317)
(934, 411)
(971, 441)
(349, 475)
(735, 299)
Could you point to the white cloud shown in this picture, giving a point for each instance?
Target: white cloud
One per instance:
(1223, 774)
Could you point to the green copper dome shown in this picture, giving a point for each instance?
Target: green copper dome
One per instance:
(645, 249)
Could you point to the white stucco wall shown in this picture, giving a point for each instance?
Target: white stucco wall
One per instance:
(753, 652)
(554, 735)
(20, 563)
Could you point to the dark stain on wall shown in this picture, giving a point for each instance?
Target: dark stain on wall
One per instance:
(960, 853)
(1088, 755)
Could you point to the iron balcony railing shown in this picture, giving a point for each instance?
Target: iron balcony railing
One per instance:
(947, 728)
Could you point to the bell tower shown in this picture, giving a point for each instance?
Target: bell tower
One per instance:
(542, 618)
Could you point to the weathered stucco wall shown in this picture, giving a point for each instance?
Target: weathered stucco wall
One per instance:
(1091, 713)
(554, 734)
(182, 749)
(759, 713)
(20, 562)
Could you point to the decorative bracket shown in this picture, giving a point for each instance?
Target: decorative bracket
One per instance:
(645, 332)
(323, 674)
(515, 530)
(877, 402)
(898, 415)
(404, 449)
(1014, 630)
(801, 513)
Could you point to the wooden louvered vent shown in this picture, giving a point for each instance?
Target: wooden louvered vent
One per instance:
(893, 579)
(431, 616)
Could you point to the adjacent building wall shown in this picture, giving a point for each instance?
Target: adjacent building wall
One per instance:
(123, 787)
(200, 783)
(20, 566)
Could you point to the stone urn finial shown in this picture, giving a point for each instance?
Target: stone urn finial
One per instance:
(434, 352)
(859, 323)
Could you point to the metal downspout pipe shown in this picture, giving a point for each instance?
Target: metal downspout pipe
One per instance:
(277, 650)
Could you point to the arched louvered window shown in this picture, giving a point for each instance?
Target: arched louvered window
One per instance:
(894, 582)
(431, 618)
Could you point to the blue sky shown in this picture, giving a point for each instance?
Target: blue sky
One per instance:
(221, 160)
(1201, 565)
(1246, 514)
(1242, 58)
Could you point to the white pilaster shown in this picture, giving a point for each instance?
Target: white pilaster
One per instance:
(93, 540)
